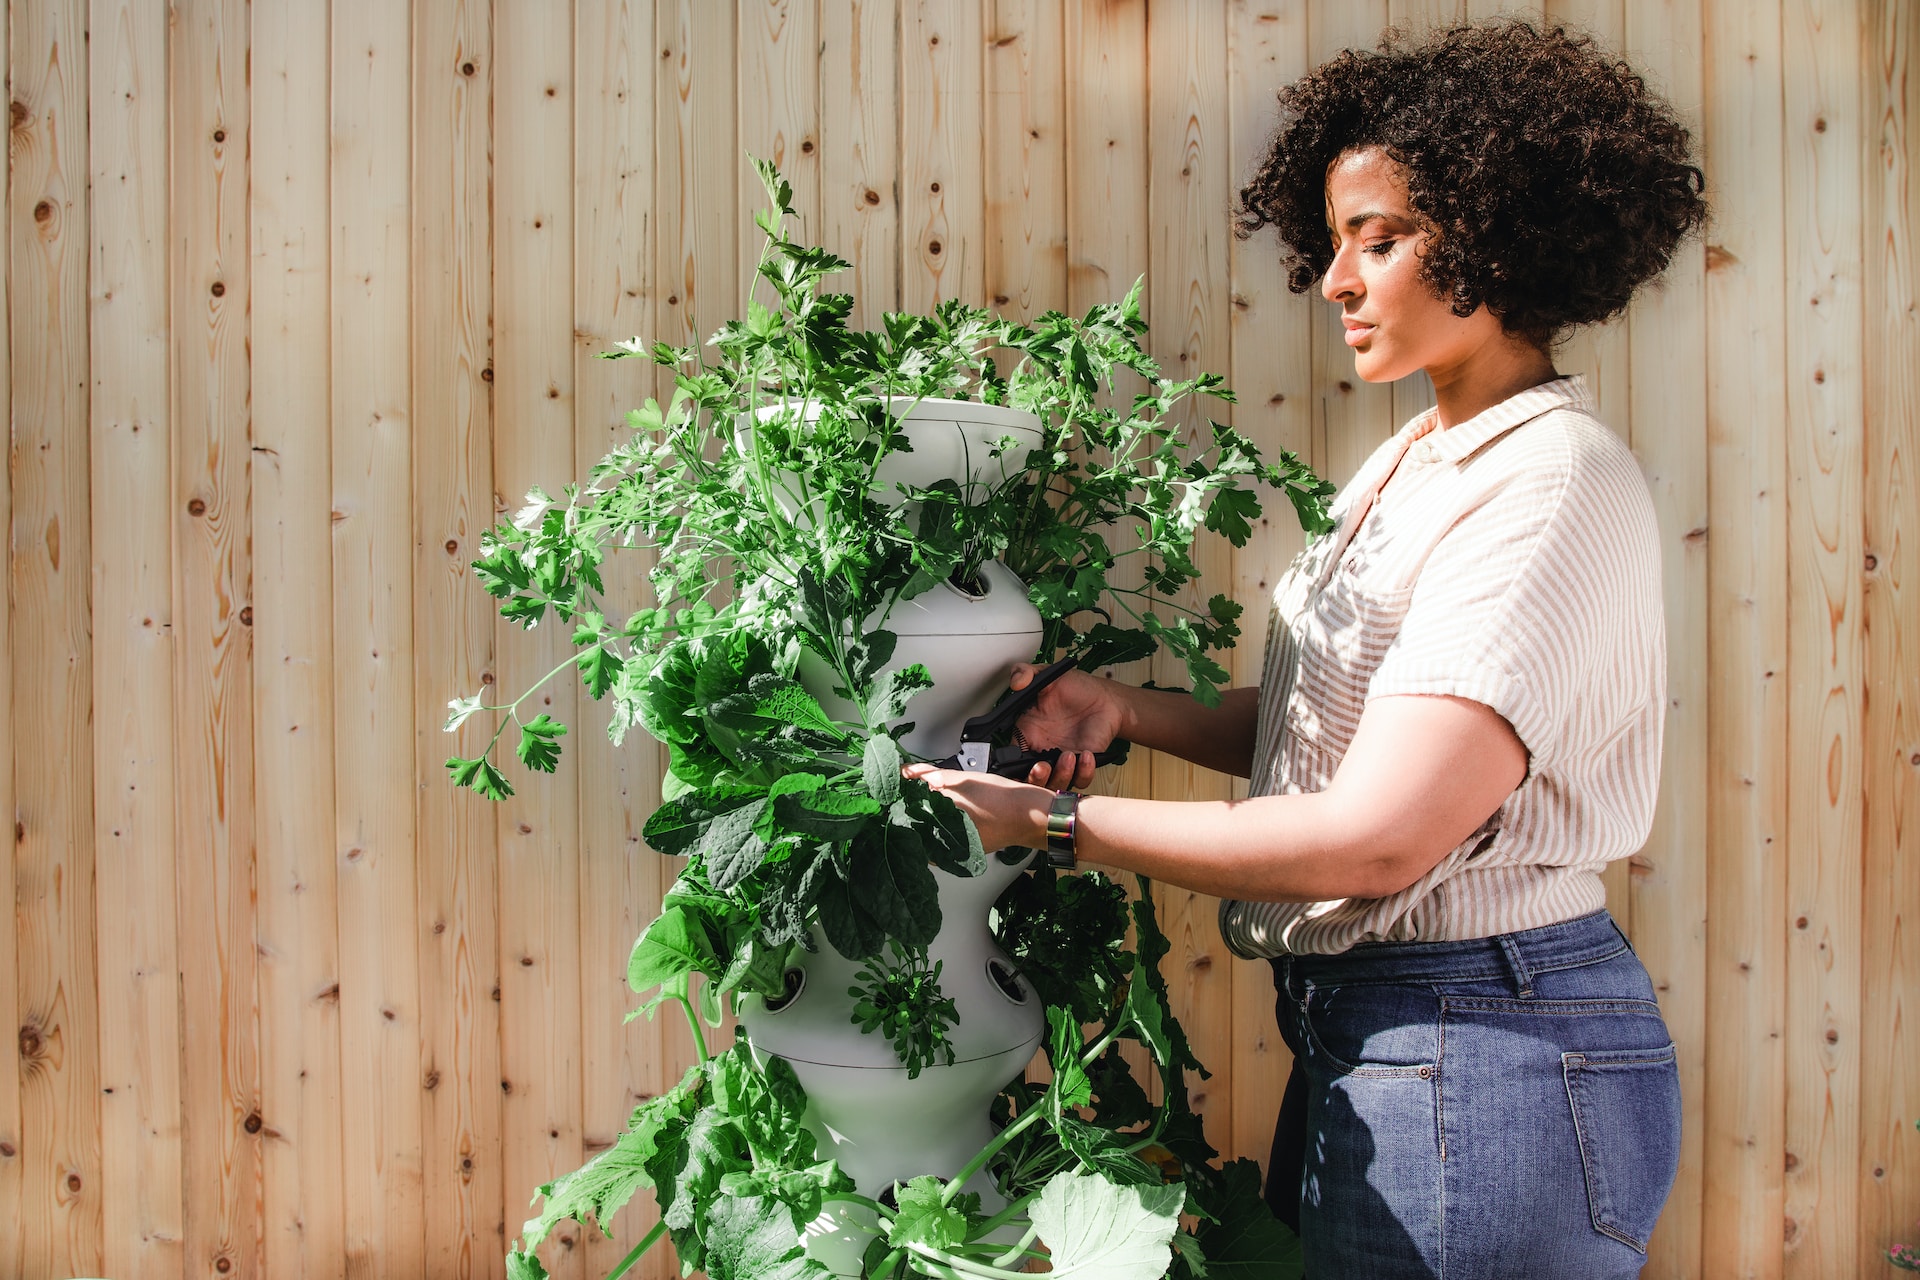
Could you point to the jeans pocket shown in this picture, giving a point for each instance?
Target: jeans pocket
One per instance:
(1626, 1115)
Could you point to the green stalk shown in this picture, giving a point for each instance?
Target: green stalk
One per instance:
(1005, 1216)
(966, 1266)
(646, 1242)
(1018, 1251)
(693, 1021)
(1022, 1122)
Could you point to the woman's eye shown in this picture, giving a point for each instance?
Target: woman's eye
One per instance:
(1379, 248)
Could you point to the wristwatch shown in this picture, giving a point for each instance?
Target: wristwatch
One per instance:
(1061, 815)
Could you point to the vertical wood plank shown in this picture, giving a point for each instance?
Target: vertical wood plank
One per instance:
(372, 427)
(213, 642)
(1825, 657)
(533, 445)
(699, 168)
(1415, 19)
(1890, 1091)
(60, 1221)
(12, 1164)
(302, 1171)
(1107, 217)
(1743, 1229)
(860, 151)
(457, 929)
(1188, 197)
(1271, 371)
(1026, 189)
(621, 879)
(131, 484)
(778, 56)
(1355, 417)
(942, 168)
(1667, 412)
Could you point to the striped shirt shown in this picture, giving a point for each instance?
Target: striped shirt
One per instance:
(1512, 559)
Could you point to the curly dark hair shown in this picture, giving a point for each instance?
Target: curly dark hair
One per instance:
(1551, 181)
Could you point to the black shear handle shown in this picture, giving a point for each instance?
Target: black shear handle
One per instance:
(1014, 762)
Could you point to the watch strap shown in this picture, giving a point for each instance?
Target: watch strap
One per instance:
(1062, 817)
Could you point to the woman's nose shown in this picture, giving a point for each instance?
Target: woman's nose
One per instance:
(1340, 281)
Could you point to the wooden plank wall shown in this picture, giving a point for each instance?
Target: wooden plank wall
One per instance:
(300, 296)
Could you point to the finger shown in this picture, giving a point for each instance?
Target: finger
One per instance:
(1040, 773)
(1022, 675)
(1083, 776)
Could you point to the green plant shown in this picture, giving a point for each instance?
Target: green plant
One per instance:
(754, 488)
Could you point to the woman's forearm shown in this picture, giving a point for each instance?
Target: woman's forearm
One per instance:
(1286, 848)
(1219, 738)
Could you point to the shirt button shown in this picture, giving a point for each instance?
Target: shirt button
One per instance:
(1426, 453)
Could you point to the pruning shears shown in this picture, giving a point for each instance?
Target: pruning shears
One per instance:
(979, 752)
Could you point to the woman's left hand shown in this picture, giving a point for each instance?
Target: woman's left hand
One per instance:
(1006, 813)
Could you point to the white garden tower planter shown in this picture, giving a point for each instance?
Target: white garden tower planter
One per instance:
(864, 1110)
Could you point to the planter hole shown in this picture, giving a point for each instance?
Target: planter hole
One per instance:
(793, 982)
(1001, 974)
(889, 1199)
(972, 586)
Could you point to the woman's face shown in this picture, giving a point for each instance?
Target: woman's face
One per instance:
(1394, 321)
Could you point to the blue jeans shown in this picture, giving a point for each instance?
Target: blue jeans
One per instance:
(1505, 1107)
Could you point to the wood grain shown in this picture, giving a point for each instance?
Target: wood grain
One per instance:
(1667, 418)
(302, 1164)
(12, 1163)
(1825, 643)
(133, 743)
(212, 631)
(1889, 1172)
(1744, 1227)
(539, 830)
(1270, 369)
(60, 1221)
(1026, 159)
(621, 879)
(1189, 190)
(860, 151)
(942, 168)
(456, 852)
(374, 697)
(778, 56)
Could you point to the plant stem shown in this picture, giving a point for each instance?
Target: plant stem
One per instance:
(1018, 1251)
(1005, 1216)
(1021, 1122)
(646, 1242)
(693, 1021)
(966, 1266)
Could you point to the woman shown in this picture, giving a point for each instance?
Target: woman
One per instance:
(1459, 719)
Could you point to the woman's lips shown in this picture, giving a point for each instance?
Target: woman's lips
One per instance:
(1358, 333)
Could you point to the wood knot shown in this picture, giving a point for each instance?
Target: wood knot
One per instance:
(8, 1151)
(218, 289)
(331, 993)
(43, 211)
(1833, 1036)
(223, 1265)
(197, 507)
(1000, 299)
(486, 374)
(453, 546)
(934, 247)
(30, 1042)
(246, 615)
(1873, 562)
(935, 188)
(1793, 1162)
(486, 678)
(1718, 258)
(1346, 387)
(21, 114)
(432, 1081)
(806, 146)
(73, 1182)
(466, 68)
(872, 196)
(219, 135)
(252, 1123)
(506, 1086)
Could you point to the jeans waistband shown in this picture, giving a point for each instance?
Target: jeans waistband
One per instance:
(1570, 943)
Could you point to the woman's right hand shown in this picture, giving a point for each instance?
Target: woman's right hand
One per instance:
(1079, 713)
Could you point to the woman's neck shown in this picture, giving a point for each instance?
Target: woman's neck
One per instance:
(1485, 376)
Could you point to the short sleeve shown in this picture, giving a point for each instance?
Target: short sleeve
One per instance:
(1530, 602)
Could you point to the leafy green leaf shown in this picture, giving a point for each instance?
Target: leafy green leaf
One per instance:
(599, 666)
(752, 1238)
(1097, 1230)
(880, 769)
(459, 709)
(479, 774)
(924, 1218)
(672, 945)
(827, 813)
(1070, 1083)
(539, 746)
(1241, 1239)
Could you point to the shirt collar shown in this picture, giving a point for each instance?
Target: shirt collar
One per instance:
(1464, 439)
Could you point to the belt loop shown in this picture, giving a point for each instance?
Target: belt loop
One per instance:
(1516, 963)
